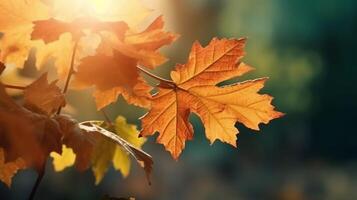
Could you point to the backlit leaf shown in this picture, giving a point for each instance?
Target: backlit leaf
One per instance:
(44, 97)
(194, 90)
(114, 75)
(105, 151)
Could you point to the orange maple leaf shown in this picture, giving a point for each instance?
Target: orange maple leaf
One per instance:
(113, 76)
(141, 46)
(26, 23)
(194, 90)
(16, 26)
(9, 169)
(114, 69)
(51, 29)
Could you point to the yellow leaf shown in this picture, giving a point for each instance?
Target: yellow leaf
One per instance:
(61, 50)
(121, 162)
(105, 152)
(66, 159)
(129, 133)
(102, 155)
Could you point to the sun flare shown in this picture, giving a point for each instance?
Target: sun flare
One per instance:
(132, 11)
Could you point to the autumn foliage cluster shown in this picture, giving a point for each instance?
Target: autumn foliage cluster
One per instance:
(106, 50)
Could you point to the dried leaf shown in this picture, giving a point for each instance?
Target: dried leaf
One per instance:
(194, 90)
(26, 134)
(9, 169)
(43, 97)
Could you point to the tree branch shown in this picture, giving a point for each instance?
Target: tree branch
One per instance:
(70, 72)
(38, 181)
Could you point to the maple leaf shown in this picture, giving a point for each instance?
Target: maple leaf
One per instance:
(16, 25)
(194, 90)
(138, 95)
(43, 97)
(115, 65)
(153, 37)
(59, 36)
(141, 46)
(114, 75)
(53, 22)
(27, 136)
(16, 42)
(62, 50)
(144, 45)
(33, 140)
(50, 30)
(9, 169)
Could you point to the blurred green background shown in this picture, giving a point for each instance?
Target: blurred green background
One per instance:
(308, 49)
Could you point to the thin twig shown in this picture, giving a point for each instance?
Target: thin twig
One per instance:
(14, 87)
(162, 80)
(70, 72)
(38, 181)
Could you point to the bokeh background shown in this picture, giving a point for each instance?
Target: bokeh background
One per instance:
(308, 49)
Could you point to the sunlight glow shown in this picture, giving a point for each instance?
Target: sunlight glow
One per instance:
(131, 11)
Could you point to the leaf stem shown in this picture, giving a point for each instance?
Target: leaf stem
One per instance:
(162, 80)
(70, 72)
(38, 181)
(14, 87)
